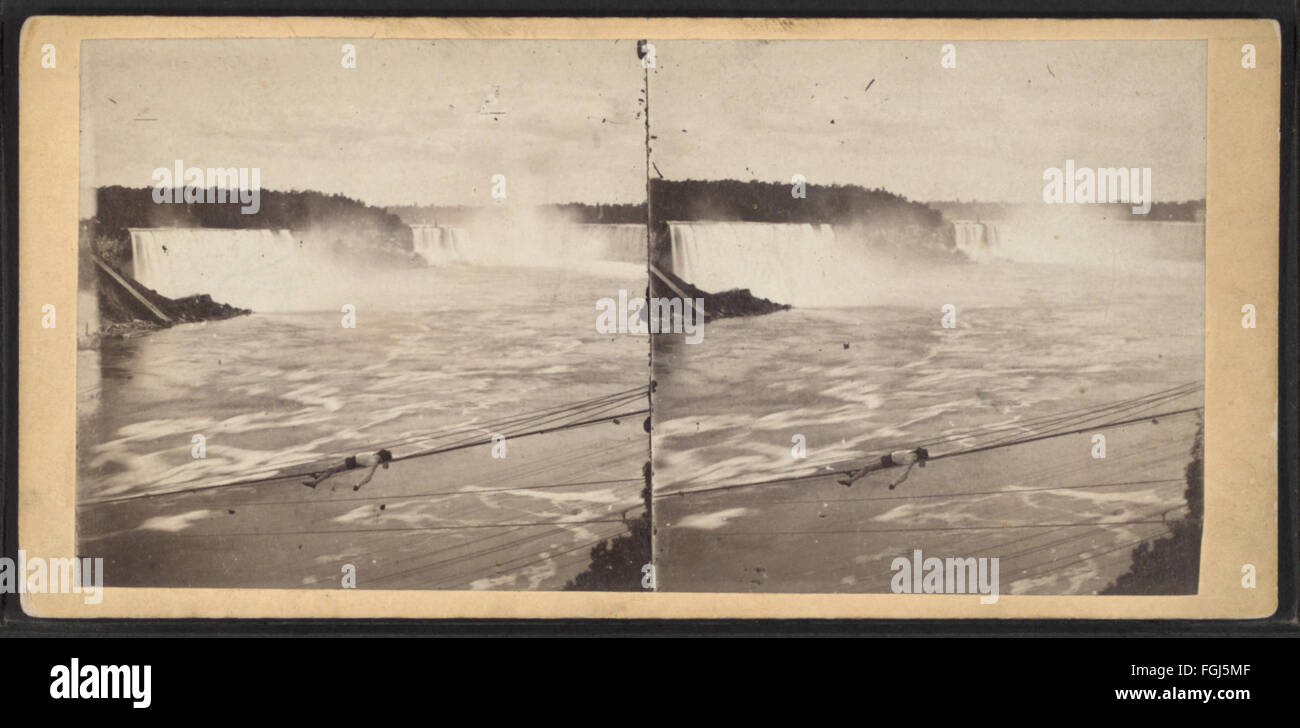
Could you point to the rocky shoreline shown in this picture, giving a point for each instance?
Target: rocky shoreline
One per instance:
(123, 315)
(734, 303)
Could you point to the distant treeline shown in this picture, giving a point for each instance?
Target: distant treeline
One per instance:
(337, 218)
(1186, 211)
(723, 201)
(575, 212)
(753, 201)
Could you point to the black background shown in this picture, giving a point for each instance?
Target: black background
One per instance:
(908, 681)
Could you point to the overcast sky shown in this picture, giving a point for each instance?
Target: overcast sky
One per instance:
(984, 130)
(405, 125)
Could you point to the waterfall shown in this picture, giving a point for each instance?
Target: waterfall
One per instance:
(532, 243)
(1076, 238)
(440, 244)
(977, 240)
(785, 262)
(239, 267)
(820, 265)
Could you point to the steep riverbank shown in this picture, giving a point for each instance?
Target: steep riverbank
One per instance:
(1172, 565)
(122, 314)
(733, 303)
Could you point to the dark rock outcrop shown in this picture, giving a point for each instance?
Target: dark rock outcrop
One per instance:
(122, 314)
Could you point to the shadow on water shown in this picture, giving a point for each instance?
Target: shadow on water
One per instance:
(616, 564)
(1172, 565)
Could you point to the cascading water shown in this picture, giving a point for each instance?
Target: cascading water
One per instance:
(179, 262)
(510, 242)
(1074, 237)
(276, 271)
(977, 240)
(809, 265)
(784, 262)
(440, 244)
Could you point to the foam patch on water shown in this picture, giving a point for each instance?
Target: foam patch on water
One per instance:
(606, 497)
(534, 575)
(333, 558)
(940, 513)
(174, 524)
(712, 521)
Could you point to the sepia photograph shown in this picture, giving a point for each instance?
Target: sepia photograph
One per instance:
(954, 296)
(648, 319)
(335, 314)
(358, 330)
